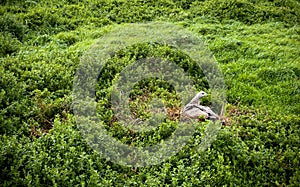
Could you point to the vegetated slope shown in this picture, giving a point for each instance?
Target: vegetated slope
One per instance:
(255, 42)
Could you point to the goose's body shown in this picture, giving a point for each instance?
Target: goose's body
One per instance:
(194, 113)
(194, 110)
(211, 114)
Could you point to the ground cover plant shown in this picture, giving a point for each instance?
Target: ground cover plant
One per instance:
(255, 42)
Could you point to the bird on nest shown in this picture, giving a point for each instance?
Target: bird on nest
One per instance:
(193, 110)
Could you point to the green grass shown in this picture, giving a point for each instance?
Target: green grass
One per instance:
(255, 42)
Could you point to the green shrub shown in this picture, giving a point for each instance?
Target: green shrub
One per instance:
(248, 12)
(12, 25)
(68, 38)
(8, 45)
(256, 43)
(46, 21)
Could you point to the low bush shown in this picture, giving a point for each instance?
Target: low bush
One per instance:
(255, 42)
(10, 24)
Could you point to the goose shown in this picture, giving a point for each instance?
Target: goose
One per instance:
(194, 102)
(194, 110)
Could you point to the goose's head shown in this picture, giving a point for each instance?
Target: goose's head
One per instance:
(201, 94)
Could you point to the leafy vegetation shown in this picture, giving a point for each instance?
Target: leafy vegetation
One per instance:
(255, 42)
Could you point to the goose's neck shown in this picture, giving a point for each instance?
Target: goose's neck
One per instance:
(195, 100)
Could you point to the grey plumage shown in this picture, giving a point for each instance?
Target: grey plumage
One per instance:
(211, 114)
(194, 102)
(194, 110)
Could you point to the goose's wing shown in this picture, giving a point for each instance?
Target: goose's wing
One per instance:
(188, 107)
(212, 114)
(193, 111)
